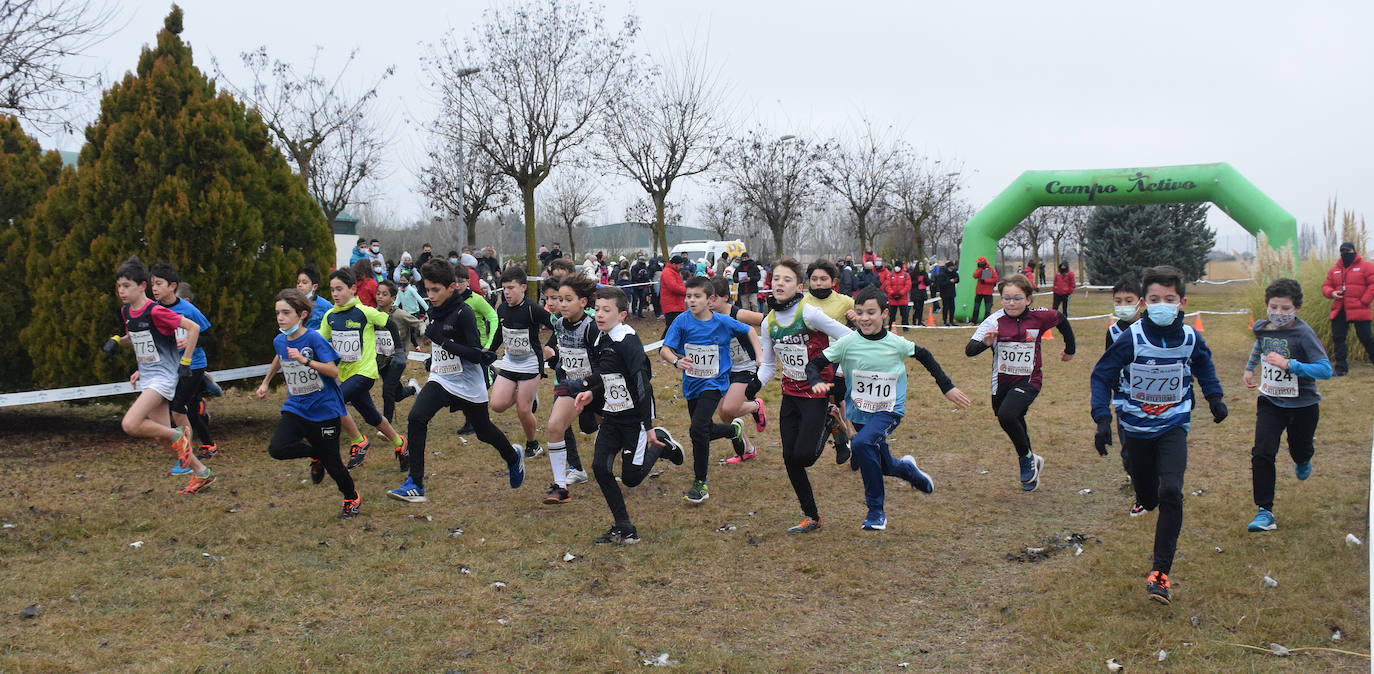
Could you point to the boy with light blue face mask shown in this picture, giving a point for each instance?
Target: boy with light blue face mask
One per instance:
(1157, 357)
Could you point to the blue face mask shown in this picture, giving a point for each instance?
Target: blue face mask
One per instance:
(1162, 314)
(290, 330)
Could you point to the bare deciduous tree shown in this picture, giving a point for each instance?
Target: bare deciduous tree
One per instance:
(722, 215)
(39, 42)
(462, 185)
(860, 169)
(547, 70)
(310, 115)
(572, 199)
(1064, 225)
(667, 128)
(922, 191)
(777, 178)
(643, 212)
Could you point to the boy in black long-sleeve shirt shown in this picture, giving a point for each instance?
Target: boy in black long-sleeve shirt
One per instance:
(622, 376)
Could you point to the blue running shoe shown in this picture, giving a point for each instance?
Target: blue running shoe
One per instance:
(517, 469)
(1030, 471)
(1303, 470)
(923, 482)
(876, 520)
(408, 492)
(1264, 521)
(210, 388)
(178, 469)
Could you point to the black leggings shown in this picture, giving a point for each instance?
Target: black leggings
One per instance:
(297, 438)
(357, 391)
(902, 309)
(1010, 406)
(434, 397)
(392, 391)
(802, 424)
(187, 400)
(1157, 466)
(704, 429)
(1340, 330)
(947, 308)
(1061, 299)
(986, 302)
(630, 441)
(1270, 423)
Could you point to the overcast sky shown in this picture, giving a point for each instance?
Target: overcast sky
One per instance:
(1280, 90)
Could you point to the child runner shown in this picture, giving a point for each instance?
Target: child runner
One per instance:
(876, 360)
(821, 277)
(1160, 356)
(744, 355)
(622, 377)
(309, 423)
(308, 282)
(1291, 359)
(702, 338)
(351, 328)
(519, 370)
(456, 381)
(393, 352)
(150, 329)
(187, 404)
(1016, 330)
(794, 333)
(573, 334)
(1126, 309)
(465, 276)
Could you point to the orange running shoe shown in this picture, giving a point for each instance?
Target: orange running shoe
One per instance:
(806, 526)
(1157, 587)
(183, 447)
(351, 506)
(198, 483)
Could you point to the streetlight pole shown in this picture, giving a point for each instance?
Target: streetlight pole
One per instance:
(462, 149)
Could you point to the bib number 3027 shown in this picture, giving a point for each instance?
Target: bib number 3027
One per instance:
(575, 363)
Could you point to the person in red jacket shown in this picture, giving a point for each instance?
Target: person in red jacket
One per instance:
(1350, 285)
(672, 294)
(986, 278)
(1064, 283)
(882, 271)
(898, 290)
(366, 286)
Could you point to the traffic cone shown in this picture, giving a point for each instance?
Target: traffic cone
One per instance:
(1111, 322)
(1251, 323)
(1049, 336)
(1197, 323)
(930, 317)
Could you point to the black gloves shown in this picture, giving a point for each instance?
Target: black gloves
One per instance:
(1103, 438)
(570, 387)
(184, 371)
(111, 346)
(434, 333)
(751, 390)
(1218, 408)
(488, 357)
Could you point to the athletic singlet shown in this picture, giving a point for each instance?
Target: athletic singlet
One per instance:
(574, 345)
(153, 333)
(740, 358)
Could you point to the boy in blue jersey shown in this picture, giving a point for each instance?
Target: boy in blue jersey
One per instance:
(875, 361)
(1158, 358)
(187, 404)
(703, 338)
(309, 424)
(308, 282)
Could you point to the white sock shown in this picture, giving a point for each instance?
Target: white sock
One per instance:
(558, 461)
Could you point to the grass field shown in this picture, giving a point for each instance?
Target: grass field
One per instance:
(257, 574)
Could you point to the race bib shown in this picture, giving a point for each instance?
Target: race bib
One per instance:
(791, 359)
(743, 276)
(575, 363)
(348, 344)
(145, 351)
(1157, 384)
(517, 342)
(873, 391)
(617, 393)
(1016, 359)
(386, 346)
(1277, 383)
(705, 360)
(300, 379)
(740, 360)
(444, 362)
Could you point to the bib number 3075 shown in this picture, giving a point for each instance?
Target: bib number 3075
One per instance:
(1016, 358)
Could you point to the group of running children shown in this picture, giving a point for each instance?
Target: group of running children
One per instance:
(846, 385)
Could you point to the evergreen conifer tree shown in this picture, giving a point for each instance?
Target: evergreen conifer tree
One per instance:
(1123, 240)
(171, 171)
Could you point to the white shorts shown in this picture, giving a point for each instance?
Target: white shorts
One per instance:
(167, 388)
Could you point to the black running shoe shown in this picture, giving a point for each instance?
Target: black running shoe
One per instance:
(316, 471)
(1157, 587)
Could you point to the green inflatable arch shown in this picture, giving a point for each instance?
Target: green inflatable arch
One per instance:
(1217, 183)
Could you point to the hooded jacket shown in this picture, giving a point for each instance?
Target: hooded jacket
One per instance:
(1358, 282)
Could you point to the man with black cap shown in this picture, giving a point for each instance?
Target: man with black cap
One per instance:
(1350, 285)
(747, 274)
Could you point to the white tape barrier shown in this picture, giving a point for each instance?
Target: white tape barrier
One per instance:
(1095, 317)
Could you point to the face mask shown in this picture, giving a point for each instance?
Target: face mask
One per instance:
(822, 294)
(1064, 269)
(1162, 314)
(291, 329)
(982, 264)
(310, 295)
(376, 249)
(1281, 320)
(1126, 312)
(1347, 258)
(453, 260)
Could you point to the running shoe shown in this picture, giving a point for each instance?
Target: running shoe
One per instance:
(532, 449)
(1137, 510)
(1303, 470)
(357, 452)
(198, 484)
(922, 482)
(209, 386)
(414, 387)
(557, 495)
(316, 471)
(760, 416)
(672, 449)
(466, 429)
(806, 526)
(404, 447)
(576, 475)
(1264, 521)
(178, 469)
(182, 447)
(403, 458)
(752, 452)
(738, 441)
(1030, 470)
(1157, 587)
(876, 520)
(516, 471)
(208, 451)
(618, 536)
(351, 506)
(697, 493)
(408, 492)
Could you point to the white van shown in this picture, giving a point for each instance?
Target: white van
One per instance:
(709, 250)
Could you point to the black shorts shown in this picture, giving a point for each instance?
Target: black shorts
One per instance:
(517, 376)
(837, 391)
(188, 391)
(742, 377)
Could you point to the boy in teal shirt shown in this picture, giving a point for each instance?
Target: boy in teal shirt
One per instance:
(874, 361)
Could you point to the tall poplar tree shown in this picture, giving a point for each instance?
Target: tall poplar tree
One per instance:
(26, 173)
(171, 171)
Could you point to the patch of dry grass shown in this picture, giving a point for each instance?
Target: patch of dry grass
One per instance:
(297, 589)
